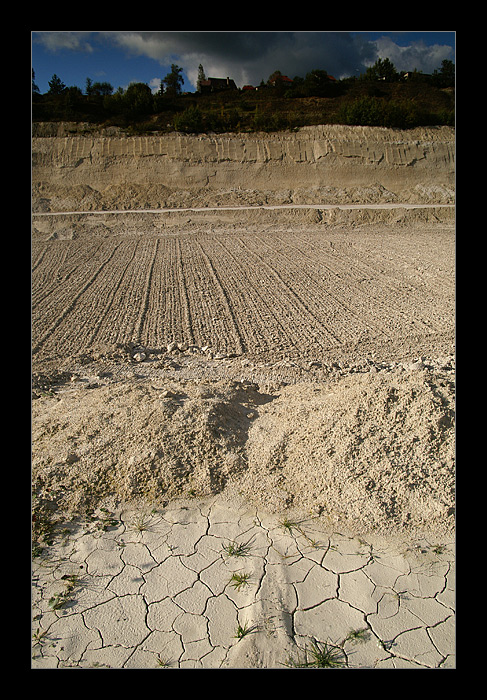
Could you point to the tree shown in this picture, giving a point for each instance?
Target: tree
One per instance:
(56, 86)
(174, 81)
(138, 99)
(102, 89)
(279, 82)
(190, 121)
(274, 78)
(382, 70)
(201, 77)
(317, 83)
(35, 88)
(71, 99)
(446, 76)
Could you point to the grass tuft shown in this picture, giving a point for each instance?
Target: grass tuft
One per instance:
(320, 655)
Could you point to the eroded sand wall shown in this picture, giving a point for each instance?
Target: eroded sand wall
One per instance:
(314, 160)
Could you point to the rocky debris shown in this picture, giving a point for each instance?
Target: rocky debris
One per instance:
(139, 356)
(138, 353)
(45, 384)
(366, 365)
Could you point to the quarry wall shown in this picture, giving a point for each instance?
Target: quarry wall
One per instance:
(319, 164)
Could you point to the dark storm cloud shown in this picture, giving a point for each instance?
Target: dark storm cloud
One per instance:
(249, 57)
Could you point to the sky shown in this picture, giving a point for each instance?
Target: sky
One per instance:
(121, 58)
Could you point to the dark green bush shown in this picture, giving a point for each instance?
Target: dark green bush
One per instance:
(190, 121)
(366, 111)
(372, 111)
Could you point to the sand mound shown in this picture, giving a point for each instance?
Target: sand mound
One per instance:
(129, 441)
(371, 451)
(375, 452)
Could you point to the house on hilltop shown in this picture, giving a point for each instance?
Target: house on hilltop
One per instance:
(217, 84)
(418, 76)
(278, 79)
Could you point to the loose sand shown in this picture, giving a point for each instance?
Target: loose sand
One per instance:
(371, 450)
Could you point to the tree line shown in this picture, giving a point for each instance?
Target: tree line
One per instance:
(100, 102)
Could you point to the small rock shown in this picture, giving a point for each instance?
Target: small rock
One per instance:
(418, 364)
(172, 346)
(139, 356)
(167, 394)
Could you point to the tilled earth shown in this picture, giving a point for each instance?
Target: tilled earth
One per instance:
(307, 368)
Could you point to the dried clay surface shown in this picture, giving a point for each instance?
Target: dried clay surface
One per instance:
(209, 585)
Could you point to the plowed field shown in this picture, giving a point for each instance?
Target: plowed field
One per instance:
(301, 292)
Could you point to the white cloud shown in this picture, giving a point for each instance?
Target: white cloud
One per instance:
(417, 56)
(56, 41)
(155, 84)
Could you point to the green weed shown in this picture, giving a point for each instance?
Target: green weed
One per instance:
(320, 655)
(239, 580)
(60, 599)
(243, 631)
(163, 662)
(236, 549)
(360, 635)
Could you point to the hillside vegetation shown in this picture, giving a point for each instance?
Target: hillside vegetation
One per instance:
(398, 104)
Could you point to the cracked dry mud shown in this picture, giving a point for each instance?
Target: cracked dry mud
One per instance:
(207, 584)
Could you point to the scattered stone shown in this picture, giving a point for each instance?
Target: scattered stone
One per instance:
(167, 394)
(417, 364)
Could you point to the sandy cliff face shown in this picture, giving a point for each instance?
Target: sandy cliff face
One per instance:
(321, 164)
